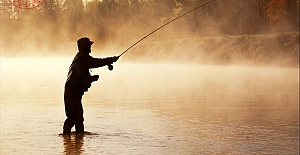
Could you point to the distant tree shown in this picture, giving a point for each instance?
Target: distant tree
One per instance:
(72, 16)
(74, 7)
(275, 11)
(178, 9)
(51, 9)
(7, 10)
(51, 6)
(282, 15)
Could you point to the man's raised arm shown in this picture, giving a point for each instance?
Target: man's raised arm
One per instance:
(91, 62)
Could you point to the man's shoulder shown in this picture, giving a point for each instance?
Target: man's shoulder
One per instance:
(83, 55)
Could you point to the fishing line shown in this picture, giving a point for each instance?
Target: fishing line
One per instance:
(99, 88)
(125, 88)
(165, 25)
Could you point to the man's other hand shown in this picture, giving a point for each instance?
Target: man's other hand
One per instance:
(95, 78)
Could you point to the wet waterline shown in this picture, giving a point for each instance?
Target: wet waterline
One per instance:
(152, 109)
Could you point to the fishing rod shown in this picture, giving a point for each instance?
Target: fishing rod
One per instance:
(110, 67)
(165, 25)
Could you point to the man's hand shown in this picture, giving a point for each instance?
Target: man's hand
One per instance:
(95, 78)
(115, 58)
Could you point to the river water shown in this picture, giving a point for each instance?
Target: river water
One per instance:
(151, 109)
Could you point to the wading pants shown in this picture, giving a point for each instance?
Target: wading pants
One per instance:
(73, 109)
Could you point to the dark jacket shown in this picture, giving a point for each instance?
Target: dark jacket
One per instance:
(79, 76)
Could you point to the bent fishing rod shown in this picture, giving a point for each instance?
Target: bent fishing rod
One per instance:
(165, 25)
(110, 67)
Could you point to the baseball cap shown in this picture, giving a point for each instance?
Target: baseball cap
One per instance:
(84, 41)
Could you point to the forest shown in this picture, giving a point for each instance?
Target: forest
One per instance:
(56, 25)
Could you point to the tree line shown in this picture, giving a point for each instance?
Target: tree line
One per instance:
(125, 21)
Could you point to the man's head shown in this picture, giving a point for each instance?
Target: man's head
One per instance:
(84, 44)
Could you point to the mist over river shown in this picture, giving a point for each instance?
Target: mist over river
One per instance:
(151, 109)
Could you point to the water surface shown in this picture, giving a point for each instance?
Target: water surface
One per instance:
(152, 109)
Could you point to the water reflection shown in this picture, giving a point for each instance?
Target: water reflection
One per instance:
(154, 109)
(73, 144)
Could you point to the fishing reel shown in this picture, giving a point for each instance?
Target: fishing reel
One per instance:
(110, 67)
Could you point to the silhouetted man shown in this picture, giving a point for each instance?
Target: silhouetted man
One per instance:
(79, 81)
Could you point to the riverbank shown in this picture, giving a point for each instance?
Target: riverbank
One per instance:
(279, 50)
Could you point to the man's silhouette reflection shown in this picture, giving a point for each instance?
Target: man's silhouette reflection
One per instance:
(79, 81)
(73, 144)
